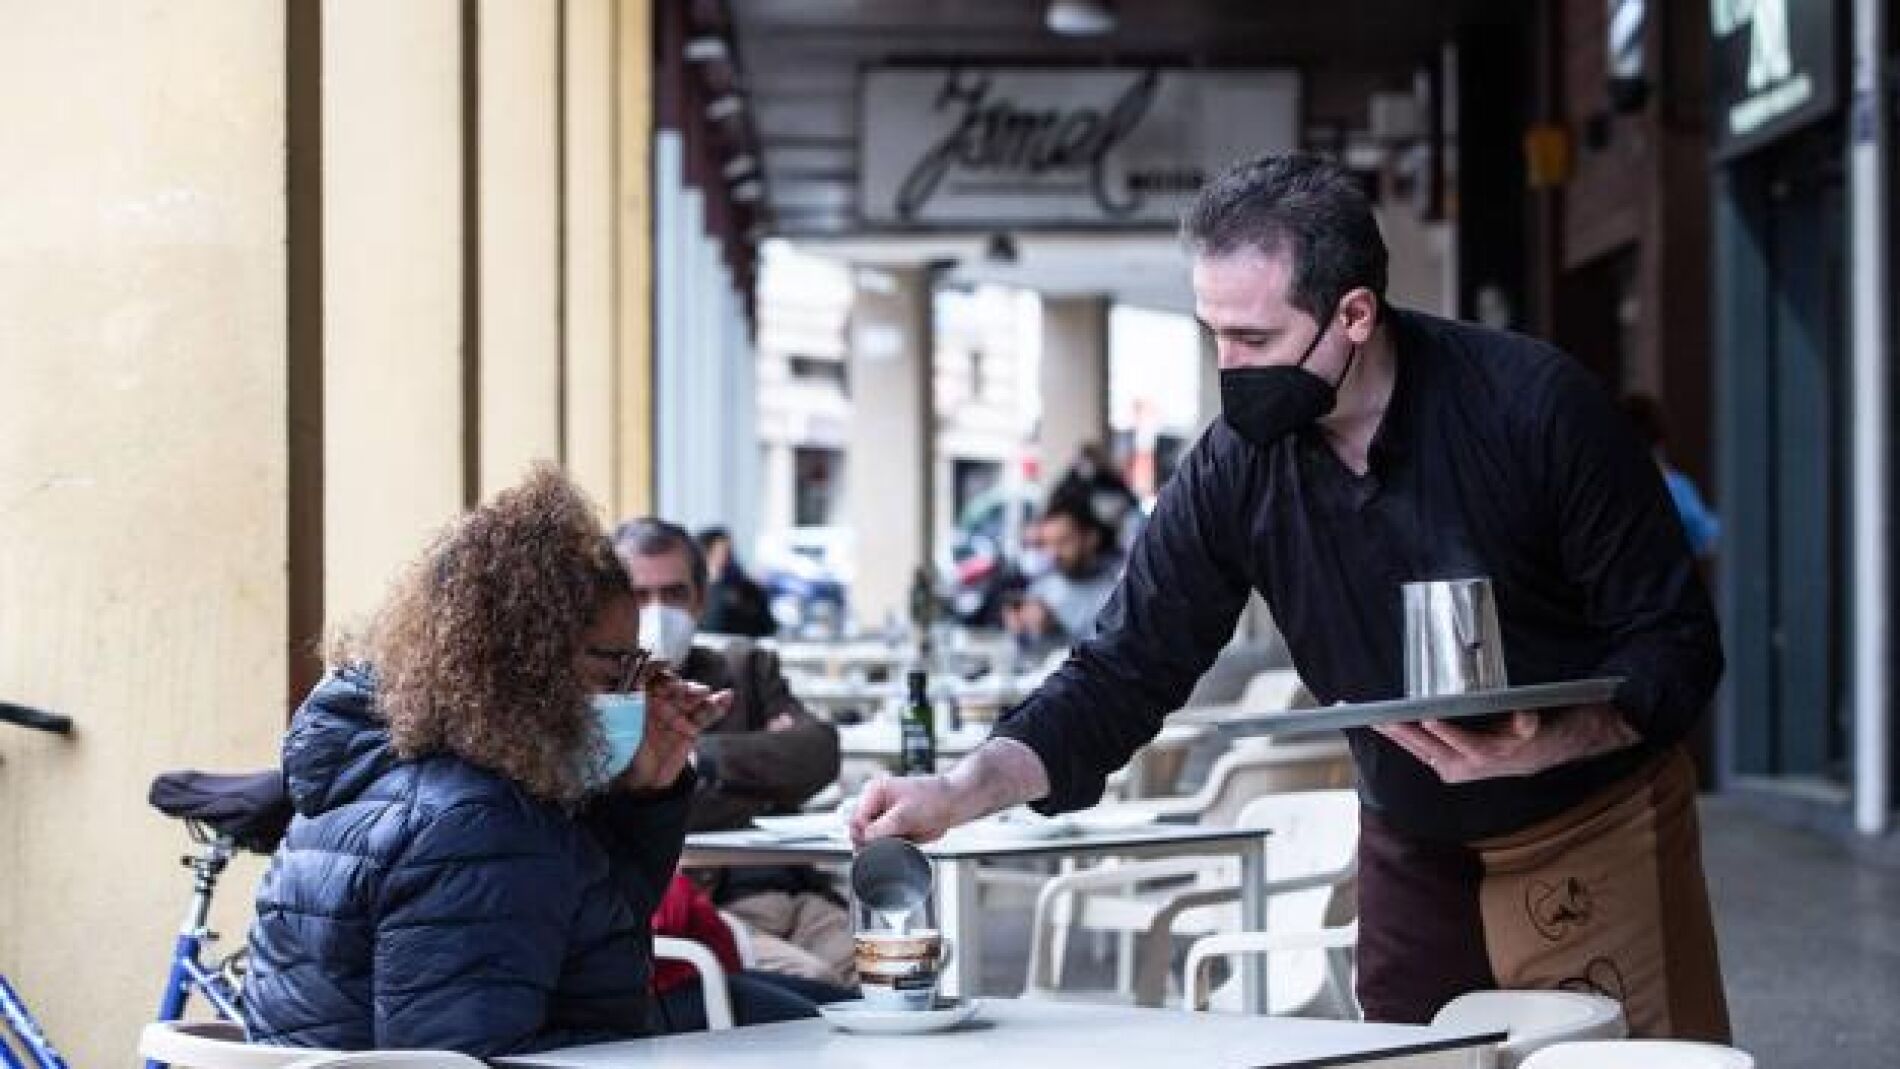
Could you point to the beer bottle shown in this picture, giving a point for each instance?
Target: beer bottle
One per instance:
(918, 729)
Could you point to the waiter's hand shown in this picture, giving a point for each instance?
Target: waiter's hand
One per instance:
(1527, 743)
(996, 775)
(918, 808)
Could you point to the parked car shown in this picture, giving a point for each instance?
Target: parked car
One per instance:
(806, 574)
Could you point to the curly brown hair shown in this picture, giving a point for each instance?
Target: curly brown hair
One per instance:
(474, 648)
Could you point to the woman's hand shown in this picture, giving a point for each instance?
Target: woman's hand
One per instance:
(677, 711)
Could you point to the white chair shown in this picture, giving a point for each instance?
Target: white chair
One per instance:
(1312, 857)
(1252, 768)
(214, 1045)
(1639, 1054)
(1308, 985)
(1156, 766)
(712, 976)
(1271, 691)
(1249, 769)
(1535, 1019)
(390, 1059)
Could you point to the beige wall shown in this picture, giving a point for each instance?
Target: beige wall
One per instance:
(588, 384)
(633, 256)
(1074, 379)
(519, 145)
(202, 338)
(394, 459)
(142, 473)
(887, 462)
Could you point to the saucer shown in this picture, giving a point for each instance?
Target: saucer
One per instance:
(857, 1016)
(801, 825)
(1019, 825)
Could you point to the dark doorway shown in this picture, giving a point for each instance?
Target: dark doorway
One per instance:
(1787, 414)
(1596, 315)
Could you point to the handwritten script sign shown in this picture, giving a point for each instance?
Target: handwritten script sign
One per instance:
(1011, 146)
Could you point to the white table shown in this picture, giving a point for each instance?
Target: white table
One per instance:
(959, 854)
(827, 692)
(882, 740)
(841, 656)
(1048, 1035)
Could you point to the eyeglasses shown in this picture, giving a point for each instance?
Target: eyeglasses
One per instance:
(629, 664)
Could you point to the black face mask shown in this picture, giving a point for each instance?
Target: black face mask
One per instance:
(1265, 404)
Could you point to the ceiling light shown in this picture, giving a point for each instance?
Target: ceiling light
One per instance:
(1080, 18)
(740, 166)
(1001, 249)
(725, 107)
(707, 50)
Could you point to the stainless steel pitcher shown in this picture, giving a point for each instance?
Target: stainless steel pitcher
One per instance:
(1452, 641)
(894, 878)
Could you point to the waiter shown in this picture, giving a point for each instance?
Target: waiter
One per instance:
(1363, 447)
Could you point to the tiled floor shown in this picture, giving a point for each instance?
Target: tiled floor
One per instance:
(1810, 945)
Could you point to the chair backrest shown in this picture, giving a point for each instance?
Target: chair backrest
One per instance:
(1270, 691)
(390, 1059)
(1535, 1019)
(1313, 832)
(1639, 1054)
(1251, 770)
(712, 976)
(213, 1045)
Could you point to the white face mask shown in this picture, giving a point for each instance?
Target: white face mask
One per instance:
(1035, 563)
(668, 632)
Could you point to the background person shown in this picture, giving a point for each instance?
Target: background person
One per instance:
(768, 755)
(735, 603)
(1699, 522)
(758, 997)
(1060, 607)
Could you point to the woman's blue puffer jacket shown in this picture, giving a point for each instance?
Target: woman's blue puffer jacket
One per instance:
(435, 905)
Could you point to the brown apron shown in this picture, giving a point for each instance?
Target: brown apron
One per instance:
(1606, 897)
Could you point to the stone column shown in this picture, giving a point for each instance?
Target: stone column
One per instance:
(893, 438)
(1074, 380)
(397, 446)
(517, 189)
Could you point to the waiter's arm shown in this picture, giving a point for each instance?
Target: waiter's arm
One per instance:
(1169, 617)
(1621, 543)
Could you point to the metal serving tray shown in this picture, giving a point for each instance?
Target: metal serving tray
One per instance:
(1454, 707)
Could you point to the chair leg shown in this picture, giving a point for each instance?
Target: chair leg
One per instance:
(1125, 964)
(1063, 920)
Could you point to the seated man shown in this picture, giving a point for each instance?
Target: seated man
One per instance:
(1060, 607)
(757, 997)
(768, 755)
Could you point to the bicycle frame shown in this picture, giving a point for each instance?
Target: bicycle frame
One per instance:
(32, 1037)
(19, 1021)
(188, 973)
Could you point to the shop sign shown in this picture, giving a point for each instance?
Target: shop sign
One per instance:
(1773, 68)
(1022, 147)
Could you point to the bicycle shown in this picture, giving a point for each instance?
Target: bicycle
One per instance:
(21, 1028)
(224, 814)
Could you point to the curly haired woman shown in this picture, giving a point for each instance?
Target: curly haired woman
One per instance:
(486, 821)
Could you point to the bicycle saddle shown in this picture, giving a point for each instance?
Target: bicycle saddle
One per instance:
(250, 807)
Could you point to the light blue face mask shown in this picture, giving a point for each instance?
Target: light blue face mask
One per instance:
(623, 723)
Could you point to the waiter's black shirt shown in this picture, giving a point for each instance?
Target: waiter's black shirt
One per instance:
(1497, 456)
